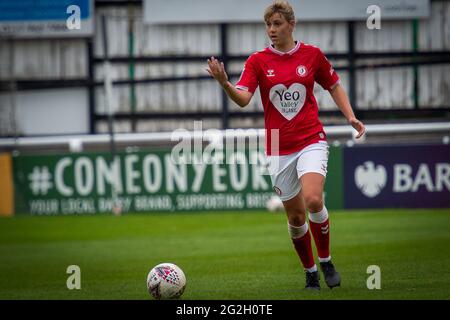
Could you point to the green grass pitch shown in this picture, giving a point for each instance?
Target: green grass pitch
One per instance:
(225, 255)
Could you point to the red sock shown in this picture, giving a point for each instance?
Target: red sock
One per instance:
(304, 250)
(321, 234)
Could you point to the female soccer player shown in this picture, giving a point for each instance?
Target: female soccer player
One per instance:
(296, 146)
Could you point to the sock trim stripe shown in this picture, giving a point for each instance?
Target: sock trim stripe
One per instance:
(319, 217)
(297, 232)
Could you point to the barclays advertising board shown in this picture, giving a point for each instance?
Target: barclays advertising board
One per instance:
(397, 176)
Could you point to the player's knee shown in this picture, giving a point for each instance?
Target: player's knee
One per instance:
(314, 202)
(296, 216)
(296, 220)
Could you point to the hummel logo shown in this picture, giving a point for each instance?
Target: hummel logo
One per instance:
(325, 229)
(271, 73)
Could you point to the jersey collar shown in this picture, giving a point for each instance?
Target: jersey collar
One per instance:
(293, 50)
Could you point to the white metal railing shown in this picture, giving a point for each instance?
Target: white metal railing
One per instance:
(213, 135)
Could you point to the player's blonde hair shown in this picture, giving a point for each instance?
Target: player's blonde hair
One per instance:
(281, 7)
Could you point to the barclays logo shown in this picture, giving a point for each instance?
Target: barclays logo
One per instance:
(370, 179)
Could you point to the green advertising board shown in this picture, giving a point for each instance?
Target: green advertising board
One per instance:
(334, 185)
(82, 183)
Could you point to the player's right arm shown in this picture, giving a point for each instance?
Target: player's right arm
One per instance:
(217, 70)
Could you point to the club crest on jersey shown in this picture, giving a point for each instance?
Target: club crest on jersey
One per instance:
(271, 73)
(302, 71)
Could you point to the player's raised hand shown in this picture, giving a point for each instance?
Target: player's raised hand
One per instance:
(217, 70)
(358, 126)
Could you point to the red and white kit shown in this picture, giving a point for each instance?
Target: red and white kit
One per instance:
(286, 81)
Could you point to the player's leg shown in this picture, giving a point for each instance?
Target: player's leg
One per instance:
(301, 238)
(312, 166)
(287, 186)
(312, 192)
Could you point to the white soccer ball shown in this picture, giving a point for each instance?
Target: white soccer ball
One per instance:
(166, 281)
(274, 204)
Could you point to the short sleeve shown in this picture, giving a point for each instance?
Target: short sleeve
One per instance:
(249, 77)
(325, 74)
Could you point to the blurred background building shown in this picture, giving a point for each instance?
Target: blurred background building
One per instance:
(53, 84)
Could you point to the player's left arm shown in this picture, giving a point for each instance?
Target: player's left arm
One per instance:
(340, 97)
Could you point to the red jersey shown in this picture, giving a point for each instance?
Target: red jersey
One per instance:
(286, 83)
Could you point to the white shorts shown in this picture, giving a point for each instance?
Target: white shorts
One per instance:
(285, 171)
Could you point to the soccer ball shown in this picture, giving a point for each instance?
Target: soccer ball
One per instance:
(274, 204)
(166, 281)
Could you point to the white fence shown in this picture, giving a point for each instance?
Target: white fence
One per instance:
(76, 142)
